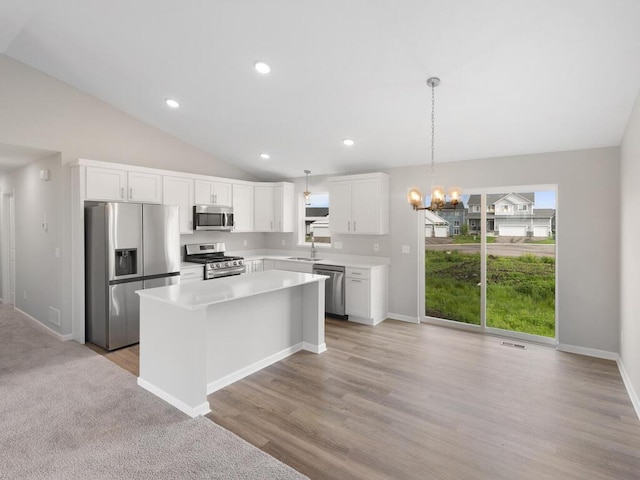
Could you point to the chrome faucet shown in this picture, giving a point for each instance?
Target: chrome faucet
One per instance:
(313, 246)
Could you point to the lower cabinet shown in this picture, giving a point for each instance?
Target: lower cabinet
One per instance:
(366, 294)
(192, 274)
(254, 266)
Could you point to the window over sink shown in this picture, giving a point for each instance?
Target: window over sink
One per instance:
(315, 218)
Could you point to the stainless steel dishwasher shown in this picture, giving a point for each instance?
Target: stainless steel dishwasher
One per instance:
(334, 289)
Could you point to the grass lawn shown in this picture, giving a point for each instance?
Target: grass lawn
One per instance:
(520, 290)
(471, 239)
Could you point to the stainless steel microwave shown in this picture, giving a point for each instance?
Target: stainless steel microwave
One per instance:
(210, 217)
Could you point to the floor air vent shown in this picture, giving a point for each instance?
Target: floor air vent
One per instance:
(514, 345)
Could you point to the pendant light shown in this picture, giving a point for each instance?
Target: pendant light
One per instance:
(307, 193)
(438, 197)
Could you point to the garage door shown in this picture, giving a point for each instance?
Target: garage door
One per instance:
(542, 231)
(512, 230)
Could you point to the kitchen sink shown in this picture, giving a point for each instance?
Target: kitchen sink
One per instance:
(305, 259)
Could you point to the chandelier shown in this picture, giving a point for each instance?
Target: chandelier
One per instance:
(438, 197)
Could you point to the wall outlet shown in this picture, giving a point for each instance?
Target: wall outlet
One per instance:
(337, 245)
(57, 252)
(376, 247)
(54, 316)
(244, 242)
(406, 249)
(284, 242)
(24, 295)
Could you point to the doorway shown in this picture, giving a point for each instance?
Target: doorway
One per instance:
(497, 272)
(9, 250)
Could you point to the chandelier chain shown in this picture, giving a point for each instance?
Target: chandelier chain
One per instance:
(433, 128)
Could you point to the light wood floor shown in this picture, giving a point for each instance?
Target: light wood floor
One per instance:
(404, 401)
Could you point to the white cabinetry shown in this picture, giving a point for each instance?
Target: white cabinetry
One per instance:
(106, 184)
(366, 294)
(192, 274)
(360, 204)
(268, 264)
(254, 266)
(179, 191)
(273, 208)
(242, 208)
(145, 187)
(212, 193)
(112, 184)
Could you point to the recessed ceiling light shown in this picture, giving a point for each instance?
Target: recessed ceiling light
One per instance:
(265, 156)
(262, 67)
(171, 102)
(348, 142)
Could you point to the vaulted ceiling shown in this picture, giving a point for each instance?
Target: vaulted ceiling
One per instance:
(518, 76)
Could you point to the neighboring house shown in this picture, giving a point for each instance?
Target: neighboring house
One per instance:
(511, 215)
(456, 217)
(435, 226)
(318, 218)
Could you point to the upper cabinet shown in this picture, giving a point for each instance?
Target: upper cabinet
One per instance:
(145, 187)
(179, 191)
(242, 208)
(112, 184)
(359, 204)
(212, 193)
(106, 184)
(273, 207)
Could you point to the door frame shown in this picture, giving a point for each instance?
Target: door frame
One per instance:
(8, 239)
(483, 328)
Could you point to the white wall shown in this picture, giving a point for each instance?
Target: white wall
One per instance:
(588, 257)
(630, 255)
(37, 268)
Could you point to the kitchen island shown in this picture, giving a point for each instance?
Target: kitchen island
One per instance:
(196, 338)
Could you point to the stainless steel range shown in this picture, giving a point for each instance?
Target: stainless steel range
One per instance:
(216, 263)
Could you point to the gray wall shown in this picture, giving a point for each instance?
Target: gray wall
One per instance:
(630, 255)
(37, 268)
(588, 234)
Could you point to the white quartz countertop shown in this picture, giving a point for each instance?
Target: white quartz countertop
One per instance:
(343, 262)
(196, 295)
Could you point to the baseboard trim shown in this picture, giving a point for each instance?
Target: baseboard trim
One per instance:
(38, 324)
(403, 318)
(310, 347)
(589, 352)
(635, 400)
(254, 367)
(200, 410)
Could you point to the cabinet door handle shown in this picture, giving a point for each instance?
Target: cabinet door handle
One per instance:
(130, 193)
(211, 198)
(354, 225)
(215, 198)
(355, 273)
(356, 281)
(348, 226)
(270, 225)
(121, 192)
(280, 226)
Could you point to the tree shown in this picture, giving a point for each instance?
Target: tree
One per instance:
(464, 229)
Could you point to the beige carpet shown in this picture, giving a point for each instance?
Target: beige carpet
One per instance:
(66, 412)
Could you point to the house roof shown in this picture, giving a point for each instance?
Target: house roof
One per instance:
(431, 218)
(493, 198)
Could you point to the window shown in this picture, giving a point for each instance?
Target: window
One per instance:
(316, 219)
(456, 223)
(456, 231)
(475, 208)
(522, 207)
(505, 208)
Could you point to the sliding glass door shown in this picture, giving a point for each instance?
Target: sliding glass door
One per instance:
(491, 262)
(452, 267)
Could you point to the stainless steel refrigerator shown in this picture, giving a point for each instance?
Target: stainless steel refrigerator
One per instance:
(128, 247)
